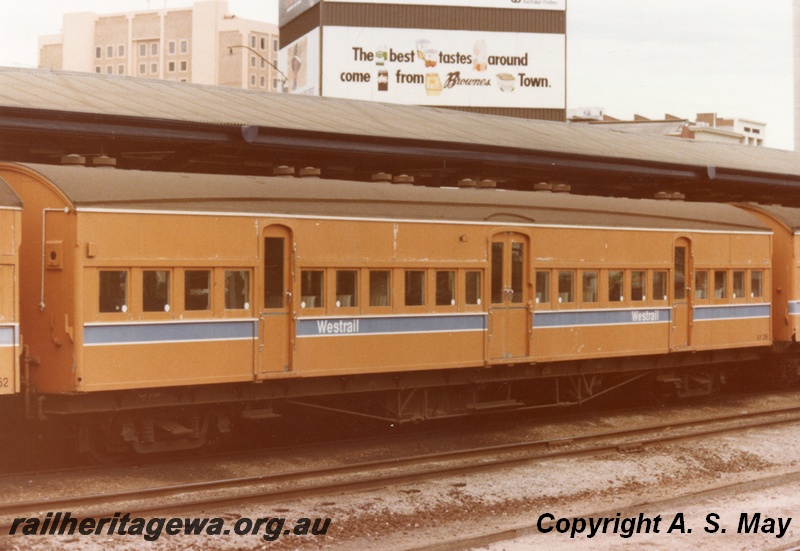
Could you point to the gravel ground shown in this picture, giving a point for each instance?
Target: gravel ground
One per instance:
(417, 515)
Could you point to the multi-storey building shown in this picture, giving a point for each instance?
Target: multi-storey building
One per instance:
(708, 127)
(203, 44)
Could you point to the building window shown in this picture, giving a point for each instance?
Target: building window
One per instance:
(252, 61)
(121, 50)
(252, 41)
(184, 66)
(171, 46)
(263, 82)
(154, 68)
(98, 69)
(184, 46)
(275, 44)
(121, 69)
(274, 83)
(171, 66)
(142, 50)
(109, 69)
(110, 51)
(263, 43)
(142, 68)
(252, 80)
(98, 52)
(154, 48)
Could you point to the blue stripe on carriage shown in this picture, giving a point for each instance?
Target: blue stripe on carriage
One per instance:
(794, 307)
(169, 332)
(8, 335)
(738, 311)
(390, 325)
(572, 318)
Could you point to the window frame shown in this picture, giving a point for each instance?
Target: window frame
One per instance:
(205, 313)
(248, 305)
(139, 288)
(316, 309)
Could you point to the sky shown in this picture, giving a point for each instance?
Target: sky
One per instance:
(645, 57)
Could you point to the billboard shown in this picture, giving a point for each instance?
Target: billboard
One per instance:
(289, 9)
(446, 68)
(511, 4)
(299, 61)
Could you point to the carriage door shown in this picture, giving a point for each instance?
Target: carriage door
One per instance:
(275, 317)
(682, 295)
(508, 312)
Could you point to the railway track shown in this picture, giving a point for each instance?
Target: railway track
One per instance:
(632, 509)
(287, 486)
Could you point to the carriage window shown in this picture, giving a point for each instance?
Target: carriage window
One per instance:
(473, 280)
(197, 290)
(701, 285)
(155, 292)
(380, 288)
(738, 284)
(311, 288)
(566, 287)
(542, 287)
(680, 273)
(638, 282)
(756, 284)
(589, 286)
(616, 286)
(659, 285)
(720, 284)
(346, 288)
(237, 290)
(415, 288)
(445, 288)
(517, 271)
(273, 272)
(113, 291)
(497, 273)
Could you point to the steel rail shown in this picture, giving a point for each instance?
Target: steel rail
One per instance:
(282, 487)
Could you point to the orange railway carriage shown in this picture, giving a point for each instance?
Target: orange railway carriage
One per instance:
(785, 223)
(11, 224)
(165, 292)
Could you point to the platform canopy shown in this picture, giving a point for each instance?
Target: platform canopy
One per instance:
(160, 125)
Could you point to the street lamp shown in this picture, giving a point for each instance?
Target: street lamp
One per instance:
(264, 59)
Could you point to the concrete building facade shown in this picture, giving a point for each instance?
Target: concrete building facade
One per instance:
(708, 127)
(203, 44)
